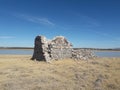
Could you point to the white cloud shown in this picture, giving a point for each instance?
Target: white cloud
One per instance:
(42, 20)
(6, 37)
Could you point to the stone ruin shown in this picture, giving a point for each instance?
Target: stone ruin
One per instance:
(56, 49)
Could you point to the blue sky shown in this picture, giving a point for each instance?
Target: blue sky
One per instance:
(85, 23)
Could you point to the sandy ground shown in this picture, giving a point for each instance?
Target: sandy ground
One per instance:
(18, 72)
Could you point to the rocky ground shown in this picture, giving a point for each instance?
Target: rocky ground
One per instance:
(18, 72)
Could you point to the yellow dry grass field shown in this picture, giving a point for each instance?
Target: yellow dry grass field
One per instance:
(18, 72)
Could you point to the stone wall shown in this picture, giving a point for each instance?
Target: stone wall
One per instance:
(58, 48)
(82, 54)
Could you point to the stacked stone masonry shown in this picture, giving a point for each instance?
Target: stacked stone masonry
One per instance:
(56, 49)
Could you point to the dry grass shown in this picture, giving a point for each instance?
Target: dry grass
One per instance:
(18, 72)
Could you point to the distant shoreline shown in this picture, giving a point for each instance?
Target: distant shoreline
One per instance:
(31, 48)
(18, 48)
(105, 50)
(97, 49)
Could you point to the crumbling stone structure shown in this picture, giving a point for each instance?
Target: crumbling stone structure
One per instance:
(83, 54)
(56, 49)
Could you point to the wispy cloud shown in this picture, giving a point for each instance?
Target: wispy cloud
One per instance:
(112, 38)
(6, 37)
(116, 39)
(38, 20)
(88, 20)
(100, 33)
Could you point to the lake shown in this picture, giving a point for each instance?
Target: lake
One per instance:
(108, 53)
(30, 52)
(16, 51)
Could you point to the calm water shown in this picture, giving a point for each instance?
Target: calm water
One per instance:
(107, 53)
(30, 52)
(16, 52)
